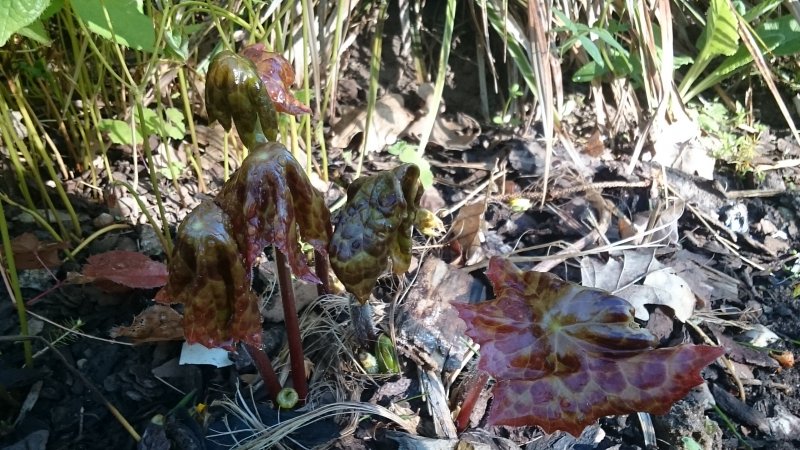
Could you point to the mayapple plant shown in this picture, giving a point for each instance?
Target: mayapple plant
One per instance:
(267, 201)
(562, 355)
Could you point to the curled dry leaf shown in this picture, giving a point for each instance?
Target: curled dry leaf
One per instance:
(467, 230)
(30, 253)
(236, 94)
(208, 275)
(130, 269)
(156, 323)
(375, 224)
(277, 75)
(271, 197)
(389, 121)
(564, 355)
(661, 285)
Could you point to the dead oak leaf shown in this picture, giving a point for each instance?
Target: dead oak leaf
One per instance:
(564, 355)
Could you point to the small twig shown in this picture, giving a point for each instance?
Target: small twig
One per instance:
(69, 330)
(567, 192)
(472, 194)
(596, 234)
(728, 364)
(100, 397)
(474, 388)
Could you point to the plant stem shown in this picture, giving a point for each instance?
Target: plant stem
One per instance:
(12, 284)
(473, 392)
(292, 327)
(267, 372)
(322, 267)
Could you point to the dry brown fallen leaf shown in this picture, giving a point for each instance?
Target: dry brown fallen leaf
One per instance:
(389, 121)
(131, 269)
(467, 230)
(30, 253)
(452, 133)
(155, 323)
(660, 286)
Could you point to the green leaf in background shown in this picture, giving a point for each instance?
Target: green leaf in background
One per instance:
(407, 153)
(118, 131)
(130, 26)
(18, 14)
(719, 38)
(36, 31)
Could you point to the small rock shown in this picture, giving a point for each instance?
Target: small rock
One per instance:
(784, 425)
(37, 439)
(760, 336)
(149, 244)
(735, 218)
(103, 220)
(687, 419)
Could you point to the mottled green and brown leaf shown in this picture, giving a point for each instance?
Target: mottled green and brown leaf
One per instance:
(235, 94)
(375, 226)
(270, 201)
(564, 355)
(208, 275)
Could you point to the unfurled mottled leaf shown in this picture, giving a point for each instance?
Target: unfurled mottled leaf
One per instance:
(564, 355)
(235, 94)
(277, 75)
(156, 323)
(131, 269)
(375, 224)
(207, 274)
(269, 199)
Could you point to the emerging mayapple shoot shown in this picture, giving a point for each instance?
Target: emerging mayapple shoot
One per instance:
(235, 94)
(375, 226)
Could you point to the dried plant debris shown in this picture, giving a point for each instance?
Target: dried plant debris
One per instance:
(660, 285)
(156, 323)
(31, 253)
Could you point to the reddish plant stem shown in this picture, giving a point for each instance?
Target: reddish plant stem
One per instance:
(474, 390)
(292, 327)
(267, 372)
(322, 268)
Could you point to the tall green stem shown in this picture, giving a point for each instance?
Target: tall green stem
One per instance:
(13, 281)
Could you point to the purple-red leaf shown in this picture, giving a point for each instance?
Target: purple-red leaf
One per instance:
(208, 275)
(277, 75)
(564, 355)
(131, 269)
(268, 200)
